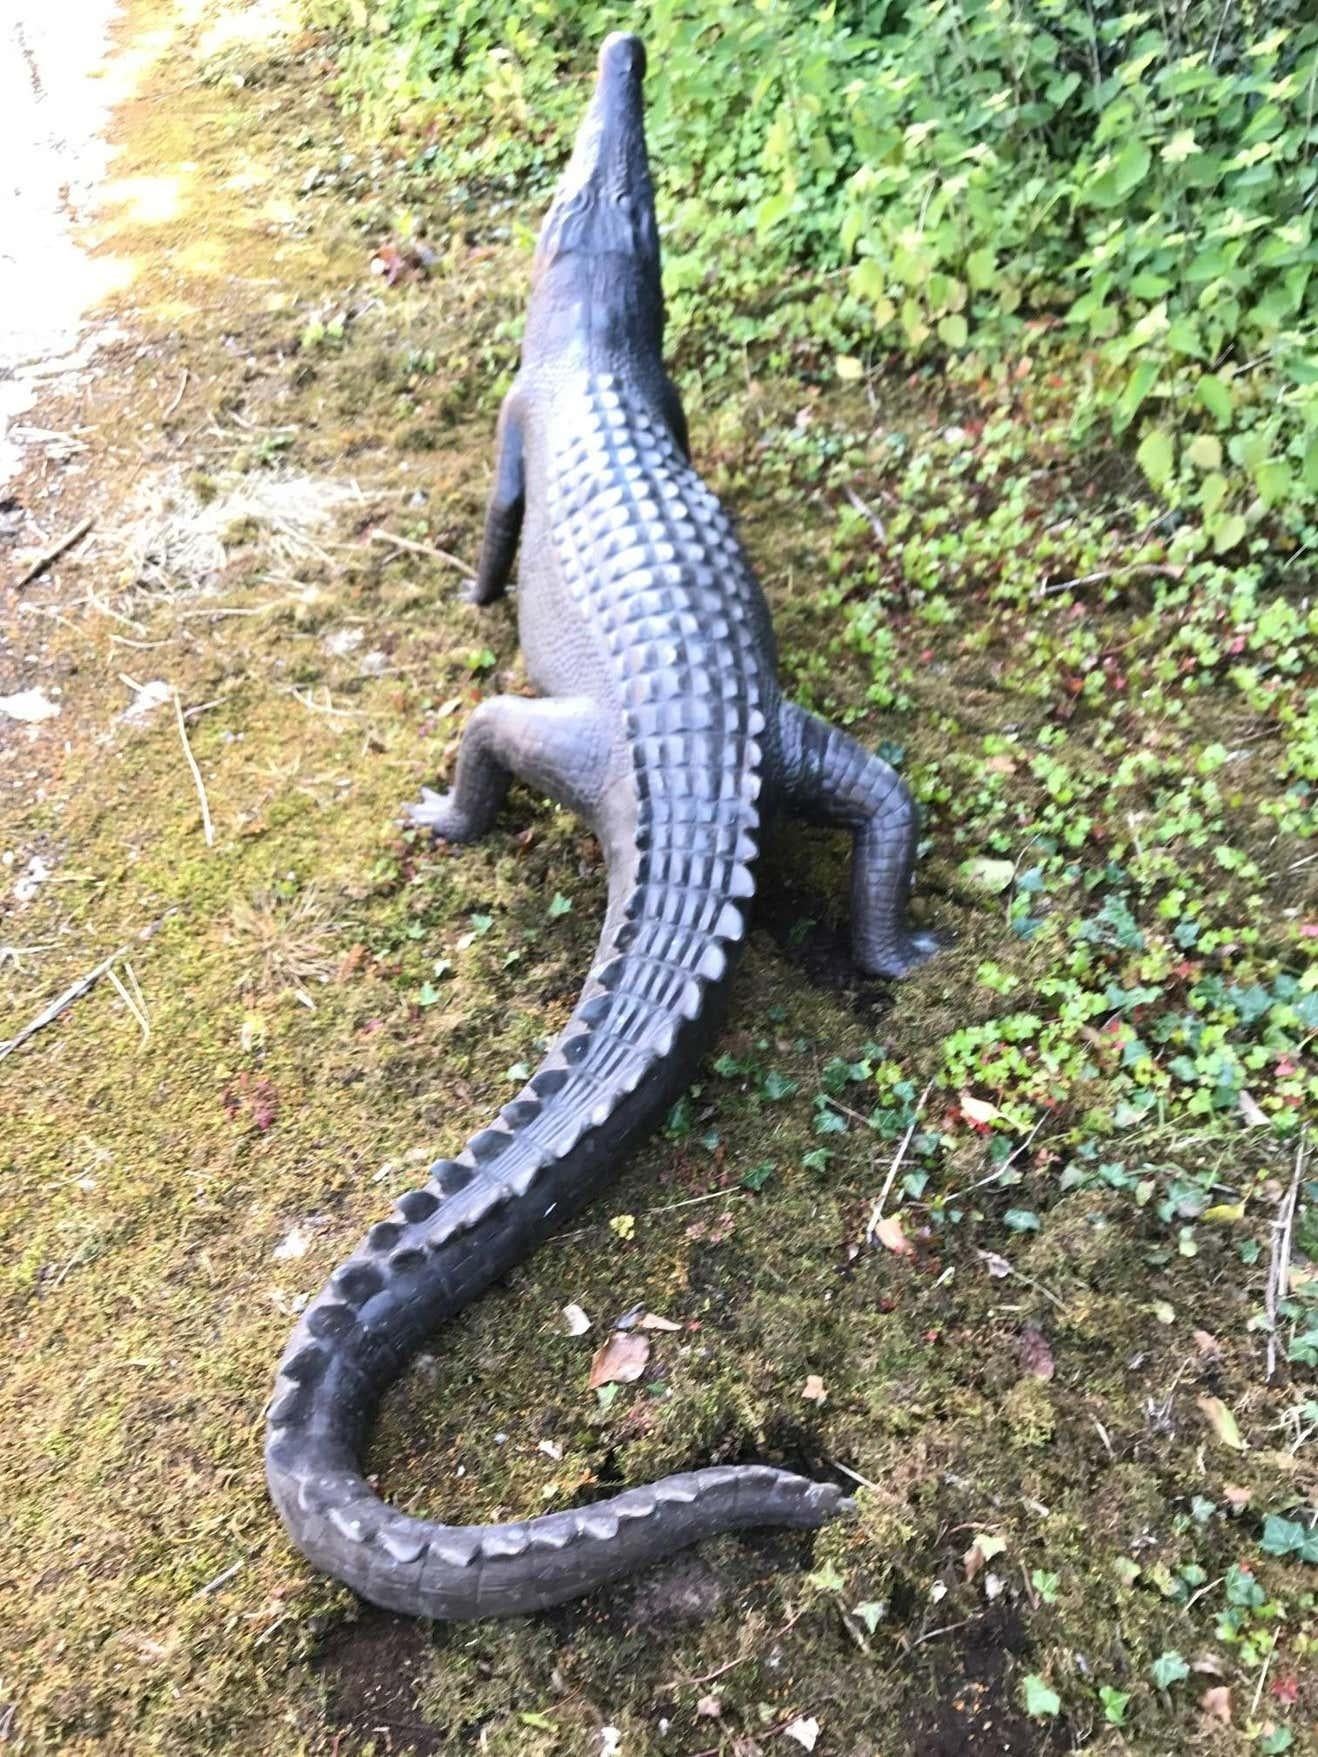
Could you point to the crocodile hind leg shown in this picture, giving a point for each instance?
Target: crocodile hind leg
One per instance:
(830, 779)
(559, 746)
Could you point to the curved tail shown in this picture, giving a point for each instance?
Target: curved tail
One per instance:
(621, 1061)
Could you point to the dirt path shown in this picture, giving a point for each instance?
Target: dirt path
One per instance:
(54, 100)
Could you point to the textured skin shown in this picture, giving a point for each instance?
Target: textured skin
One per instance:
(660, 721)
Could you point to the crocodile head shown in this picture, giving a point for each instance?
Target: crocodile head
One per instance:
(596, 269)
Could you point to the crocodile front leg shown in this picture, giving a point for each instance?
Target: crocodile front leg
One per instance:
(503, 514)
(559, 746)
(830, 779)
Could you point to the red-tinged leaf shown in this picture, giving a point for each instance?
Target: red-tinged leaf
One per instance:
(1036, 1353)
(889, 1233)
(621, 1360)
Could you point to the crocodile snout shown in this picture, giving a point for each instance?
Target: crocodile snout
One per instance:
(622, 55)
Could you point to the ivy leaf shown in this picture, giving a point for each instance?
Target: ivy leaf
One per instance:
(1040, 1701)
(559, 905)
(1115, 1703)
(1287, 1537)
(1168, 1669)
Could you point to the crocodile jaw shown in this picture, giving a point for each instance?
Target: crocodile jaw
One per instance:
(599, 245)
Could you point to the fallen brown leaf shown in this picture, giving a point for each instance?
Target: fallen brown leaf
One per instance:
(1036, 1353)
(979, 1110)
(1236, 1497)
(652, 1321)
(889, 1233)
(620, 1361)
(1217, 1703)
(1222, 1422)
(814, 1390)
(1207, 1344)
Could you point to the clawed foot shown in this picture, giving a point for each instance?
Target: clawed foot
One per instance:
(437, 813)
(900, 955)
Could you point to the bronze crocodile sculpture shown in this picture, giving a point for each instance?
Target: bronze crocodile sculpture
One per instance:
(660, 721)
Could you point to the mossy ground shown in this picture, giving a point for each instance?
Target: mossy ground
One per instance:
(305, 1056)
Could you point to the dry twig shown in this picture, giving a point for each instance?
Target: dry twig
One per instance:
(52, 1010)
(877, 1212)
(49, 557)
(1279, 1267)
(378, 536)
(208, 828)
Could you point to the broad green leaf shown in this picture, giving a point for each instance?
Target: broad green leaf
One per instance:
(1274, 481)
(953, 330)
(884, 312)
(981, 267)
(917, 330)
(1205, 452)
(1156, 456)
(1227, 532)
(868, 279)
(1138, 386)
(849, 369)
(1215, 396)
(1212, 494)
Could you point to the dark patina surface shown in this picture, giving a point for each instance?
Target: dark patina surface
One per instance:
(659, 720)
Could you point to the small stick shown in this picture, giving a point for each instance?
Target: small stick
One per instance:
(1280, 1266)
(1263, 1674)
(947, 1629)
(52, 1010)
(134, 1001)
(1038, 1286)
(868, 513)
(877, 1213)
(208, 828)
(1103, 1435)
(1143, 569)
(219, 1580)
(177, 398)
(52, 555)
(1005, 1166)
(378, 536)
(855, 1475)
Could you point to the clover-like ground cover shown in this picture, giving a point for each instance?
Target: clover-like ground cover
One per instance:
(1084, 1430)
